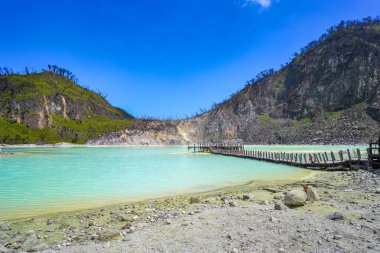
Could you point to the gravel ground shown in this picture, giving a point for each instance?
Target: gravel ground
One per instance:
(237, 219)
(251, 228)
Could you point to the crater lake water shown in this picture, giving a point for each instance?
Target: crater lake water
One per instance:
(41, 180)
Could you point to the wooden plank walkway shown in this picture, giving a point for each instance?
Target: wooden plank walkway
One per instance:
(318, 160)
(208, 147)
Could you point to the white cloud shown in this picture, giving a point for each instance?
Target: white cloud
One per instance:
(263, 3)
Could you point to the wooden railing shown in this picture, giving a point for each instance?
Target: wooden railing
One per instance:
(324, 159)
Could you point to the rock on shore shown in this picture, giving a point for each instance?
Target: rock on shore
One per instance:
(295, 198)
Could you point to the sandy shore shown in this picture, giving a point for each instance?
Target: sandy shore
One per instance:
(222, 221)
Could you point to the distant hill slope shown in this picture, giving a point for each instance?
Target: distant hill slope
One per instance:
(329, 93)
(47, 107)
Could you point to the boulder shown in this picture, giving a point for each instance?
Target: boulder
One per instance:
(295, 198)
(312, 194)
(5, 227)
(248, 196)
(232, 204)
(194, 200)
(280, 206)
(226, 198)
(336, 216)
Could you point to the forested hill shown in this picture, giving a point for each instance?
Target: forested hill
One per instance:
(50, 107)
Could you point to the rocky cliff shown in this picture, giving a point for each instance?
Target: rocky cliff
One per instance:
(329, 93)
(47, 107)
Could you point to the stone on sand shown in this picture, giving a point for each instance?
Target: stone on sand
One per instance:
(295, 198)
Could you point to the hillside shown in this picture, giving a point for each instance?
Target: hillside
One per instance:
(329, 93)
(47, 108)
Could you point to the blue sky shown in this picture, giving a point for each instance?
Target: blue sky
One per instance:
(166, 58)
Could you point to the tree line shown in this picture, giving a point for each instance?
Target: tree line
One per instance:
(349, 24)
(63, 72)
(5, 71)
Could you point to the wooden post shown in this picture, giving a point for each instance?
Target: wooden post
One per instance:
(332, 157)
(327, 158)
(315, 158)
(341, 155)
(349, 155)
(324, 157)
(311, 159)
(320, 158)
(359, 155)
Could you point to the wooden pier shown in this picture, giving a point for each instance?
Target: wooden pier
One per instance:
(327, 160)
(209, 147)
(354, 159)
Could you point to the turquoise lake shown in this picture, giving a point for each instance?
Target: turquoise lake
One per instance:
(41, 180)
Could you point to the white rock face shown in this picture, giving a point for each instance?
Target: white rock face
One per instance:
(295, 198)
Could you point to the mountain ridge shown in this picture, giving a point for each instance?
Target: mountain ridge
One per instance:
(328, 93)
